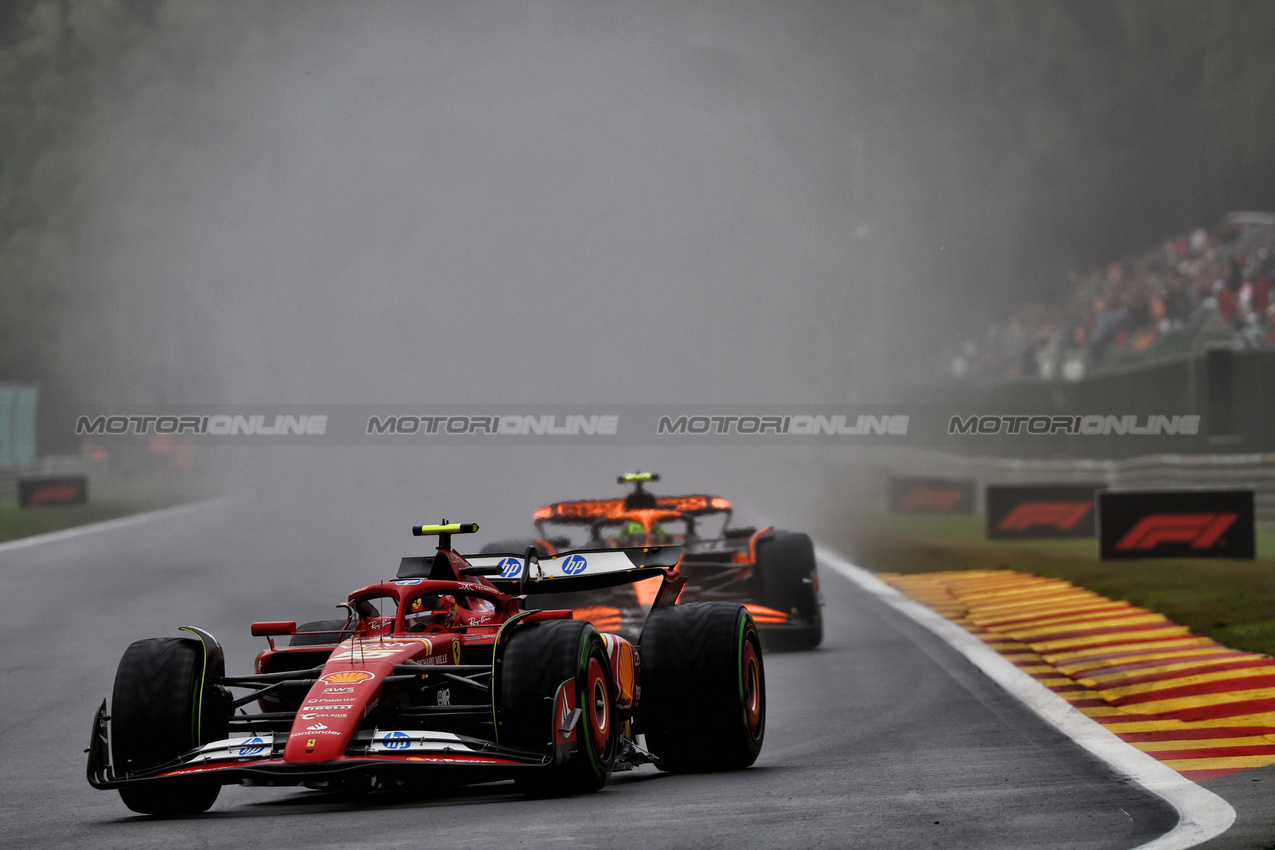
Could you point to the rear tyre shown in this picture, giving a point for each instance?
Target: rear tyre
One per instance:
(787, 581)
(164, 703)
(535, 659)
(703, 687)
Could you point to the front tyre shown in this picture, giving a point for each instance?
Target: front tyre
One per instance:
(165, 702)
(535, 660)
(703, 687)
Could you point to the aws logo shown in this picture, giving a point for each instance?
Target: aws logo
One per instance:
(1200, 530)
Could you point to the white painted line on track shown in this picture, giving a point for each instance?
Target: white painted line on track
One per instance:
(1201, 813)
(108, 525)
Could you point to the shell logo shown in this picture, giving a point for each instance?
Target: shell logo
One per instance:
(346, 677)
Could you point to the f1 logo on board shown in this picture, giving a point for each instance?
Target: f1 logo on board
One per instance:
(1041, 511)
(1200, 531)
(510, 567)
(930, 495)
(574, 565)
(1061, 515)
(70, 490)
(1177, 524)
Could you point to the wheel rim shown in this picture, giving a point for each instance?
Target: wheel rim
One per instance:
(599, 707)
(752, 690)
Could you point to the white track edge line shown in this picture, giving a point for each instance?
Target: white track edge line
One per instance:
(107, 525)
(1201, 813)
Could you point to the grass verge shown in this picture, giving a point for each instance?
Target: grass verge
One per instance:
(107, 500)
(1232, 602)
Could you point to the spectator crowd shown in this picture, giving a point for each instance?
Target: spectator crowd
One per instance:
(1201, 288)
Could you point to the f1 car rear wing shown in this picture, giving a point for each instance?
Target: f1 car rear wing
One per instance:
(588, 511)
(581, 569)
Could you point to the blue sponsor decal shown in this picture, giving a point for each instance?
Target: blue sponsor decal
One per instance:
(574, 565)
(396, 741)
(252, 747)
(407, 581)
(510, 567)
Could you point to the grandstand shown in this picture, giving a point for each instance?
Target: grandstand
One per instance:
(1198, 290)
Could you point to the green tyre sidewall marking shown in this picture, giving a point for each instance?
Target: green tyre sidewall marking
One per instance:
(745, 626)
(197, 722)
(495, 679)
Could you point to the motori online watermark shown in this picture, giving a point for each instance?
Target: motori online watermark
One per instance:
(508, 425)
(313, 425)
(612, 424)
(797, 425)
(1090, 425)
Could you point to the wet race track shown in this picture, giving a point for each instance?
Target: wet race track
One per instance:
(884, 737)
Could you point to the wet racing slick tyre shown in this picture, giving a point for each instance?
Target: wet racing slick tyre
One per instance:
(164, 703)
(787, 581)
(333, 626)
(703, 687)
(534, 660)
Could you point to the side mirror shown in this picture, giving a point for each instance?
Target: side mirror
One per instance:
(273, 628)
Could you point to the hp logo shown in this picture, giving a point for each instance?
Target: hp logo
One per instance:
(252, 747)
(396, 741)
(574, 565)
(510, 567)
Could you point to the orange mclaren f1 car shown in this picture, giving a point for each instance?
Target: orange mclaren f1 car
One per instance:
(771, 572)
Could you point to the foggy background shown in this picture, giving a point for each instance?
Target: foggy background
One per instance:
(569, 202)
(299, 202)
(501, 202)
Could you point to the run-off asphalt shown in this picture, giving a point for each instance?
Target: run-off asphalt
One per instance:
(884, 737)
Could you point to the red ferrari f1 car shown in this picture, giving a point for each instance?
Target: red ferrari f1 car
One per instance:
(447, 673)
(771, 572)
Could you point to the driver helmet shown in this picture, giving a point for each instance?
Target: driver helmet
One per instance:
(432, 609)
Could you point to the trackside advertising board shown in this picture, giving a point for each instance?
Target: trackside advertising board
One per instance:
(1041, 511)
(1176, 524)
(930, 495)
(64, 490)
